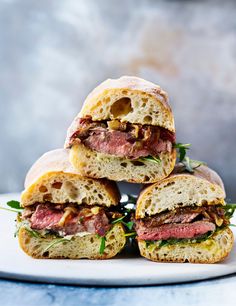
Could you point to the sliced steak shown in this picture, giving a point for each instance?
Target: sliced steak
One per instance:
(175, 230)
(47, 217)
(124, 140)
(185, 215)
(123, 145)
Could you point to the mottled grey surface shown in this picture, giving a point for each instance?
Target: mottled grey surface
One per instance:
(54, 52)
(211, 293)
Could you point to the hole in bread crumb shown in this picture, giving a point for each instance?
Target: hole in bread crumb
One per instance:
(170, 184)
(57, 185)
(147, 119)
(71, 190)
(124, 92)
(100, 196)
(144, 100)
(146, 178)
(121, 107)
(46, 254)
(47, 197)
(123, 165)
(91, 240)
(137, 163)
(43, 189)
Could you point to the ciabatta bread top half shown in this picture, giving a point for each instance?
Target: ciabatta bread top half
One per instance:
(203, 187)
(52, 178)
(128, 99)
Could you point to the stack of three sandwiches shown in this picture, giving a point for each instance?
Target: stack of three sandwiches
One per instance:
(124, 132)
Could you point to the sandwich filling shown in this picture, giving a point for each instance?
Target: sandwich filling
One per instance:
(68, 219)
(182, 223)
(122, 139)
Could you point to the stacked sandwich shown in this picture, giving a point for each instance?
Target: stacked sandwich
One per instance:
(124, 132)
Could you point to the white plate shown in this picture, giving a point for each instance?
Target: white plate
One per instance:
(123, 270)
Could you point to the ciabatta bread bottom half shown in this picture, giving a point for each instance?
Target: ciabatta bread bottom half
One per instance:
(78, 247)
(98, 165)
(212, 250)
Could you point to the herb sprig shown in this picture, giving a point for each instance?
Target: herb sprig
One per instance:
(229, 209)
(153, 159)
(129, 224)
(102, 244)
(14, 206)
(56, 242)
(182, 148)
(191, 164)
(188, 164)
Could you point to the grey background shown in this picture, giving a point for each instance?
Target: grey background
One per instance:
(53, 52)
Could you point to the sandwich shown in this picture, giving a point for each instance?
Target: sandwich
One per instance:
(183, 218)
(124, 132)
(66, 215)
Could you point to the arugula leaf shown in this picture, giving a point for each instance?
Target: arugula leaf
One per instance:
(55, 242)
(129, 224)
(117, 220)
(154, 159)
(182, 147)
(32, 232)
(14, 204)
(12, 210)
(102, 245)
(149, 242)
(187, 164)
(229, 210)
(190, 164)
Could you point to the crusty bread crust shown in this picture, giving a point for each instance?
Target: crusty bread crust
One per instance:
(204, 187)
(212, 250)
(138, 101)
(96, 165)
(52, 178)
(78, 247)
(203, 172)
(52, 161)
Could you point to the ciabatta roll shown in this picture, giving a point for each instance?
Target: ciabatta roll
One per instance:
(183, 219)
(67, 215)
(125, 131)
